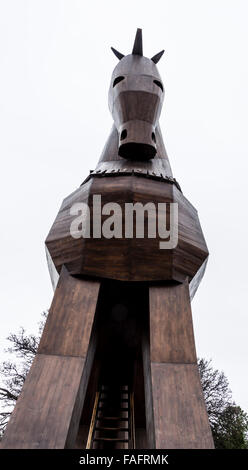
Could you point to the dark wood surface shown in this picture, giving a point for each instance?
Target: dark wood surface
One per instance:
(62, 247)
(123, 258)
(132, 65)
(157, 57)
(135, 102)
(42, 416)
(148, 389)
(138, 43)
(159, 164)
(180, 416)
(172, 336)
(69, 323)
(48, 411)
(173, 390)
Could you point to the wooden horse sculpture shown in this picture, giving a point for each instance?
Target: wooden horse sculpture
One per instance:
(116, 365)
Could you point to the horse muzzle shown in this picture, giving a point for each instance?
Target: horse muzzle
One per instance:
(137, 140)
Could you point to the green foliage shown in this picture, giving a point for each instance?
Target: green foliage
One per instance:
(229, 423)
(230, 432)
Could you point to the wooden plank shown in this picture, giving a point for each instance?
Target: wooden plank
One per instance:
(44, 414)
(63, 248)
(180, 417)
(48, 411)
(69, 324)
(148, 391)
(173, 392)
(171, 328)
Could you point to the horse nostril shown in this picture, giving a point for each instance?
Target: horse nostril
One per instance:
(153, 137)
(124, 134)
(137, 151)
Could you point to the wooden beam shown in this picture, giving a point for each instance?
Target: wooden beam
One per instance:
(176, 412)
(171, 327)
(70, 320)
(48, 411)
(180, 416)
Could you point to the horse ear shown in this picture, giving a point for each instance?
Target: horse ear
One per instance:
(118, 54)
(138, 48)
(157, 57)
(138, 45)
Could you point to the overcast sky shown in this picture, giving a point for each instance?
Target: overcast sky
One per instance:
(56, 66)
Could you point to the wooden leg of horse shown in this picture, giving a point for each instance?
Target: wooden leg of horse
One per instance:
(48, 410)
(176, 413)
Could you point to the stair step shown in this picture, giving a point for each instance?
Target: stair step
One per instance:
(120, 400)
(104, 408)
(109, 439)
(114, 418)
(119, 389)
(112, 401)
(105, 428)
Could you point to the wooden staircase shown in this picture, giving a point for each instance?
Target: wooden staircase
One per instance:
(112, 422)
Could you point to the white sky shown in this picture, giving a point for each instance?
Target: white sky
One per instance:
(55, 70)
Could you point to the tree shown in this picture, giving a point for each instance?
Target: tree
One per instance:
(230, 432)
(13, 373)
(215, 390)
(229, 423)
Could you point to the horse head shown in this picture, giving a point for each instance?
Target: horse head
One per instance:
(135, 100)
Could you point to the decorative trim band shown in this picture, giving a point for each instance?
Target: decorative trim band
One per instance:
(128, 172)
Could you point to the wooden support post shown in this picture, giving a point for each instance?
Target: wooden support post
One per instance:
(48, 410)
(176, 413)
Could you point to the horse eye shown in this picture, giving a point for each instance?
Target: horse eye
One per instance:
(158, 84)
(117, 80)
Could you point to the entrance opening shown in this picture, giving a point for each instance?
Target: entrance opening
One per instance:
(114, 412)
